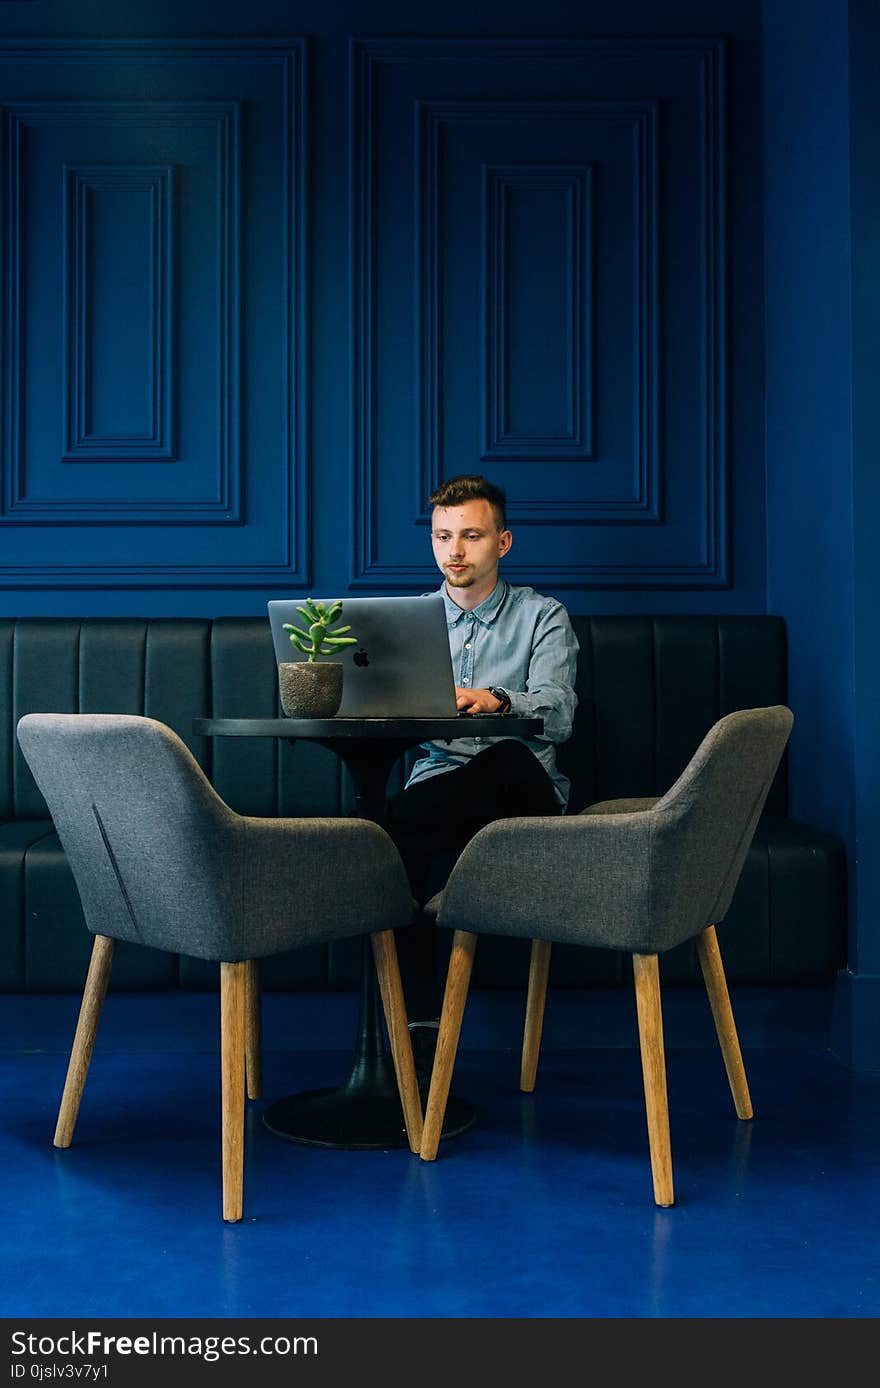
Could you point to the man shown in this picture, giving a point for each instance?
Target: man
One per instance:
(513, 651)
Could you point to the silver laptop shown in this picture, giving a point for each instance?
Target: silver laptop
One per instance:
(401, 666)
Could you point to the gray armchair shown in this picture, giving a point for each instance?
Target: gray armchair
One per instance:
(161, 860)
(634, 875)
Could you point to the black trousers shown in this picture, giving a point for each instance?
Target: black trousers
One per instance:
(433, 820)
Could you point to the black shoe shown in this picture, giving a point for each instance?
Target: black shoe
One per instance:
(424, 1043)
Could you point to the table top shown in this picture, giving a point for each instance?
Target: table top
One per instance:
(408, 729)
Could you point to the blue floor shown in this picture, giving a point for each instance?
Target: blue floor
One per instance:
(542, 1209)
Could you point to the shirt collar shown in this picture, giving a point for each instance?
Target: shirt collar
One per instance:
(485, 613)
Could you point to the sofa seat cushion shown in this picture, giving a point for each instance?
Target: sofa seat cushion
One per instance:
(17, 837)
(45, 941)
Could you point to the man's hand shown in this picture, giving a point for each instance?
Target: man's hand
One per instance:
(476, 700)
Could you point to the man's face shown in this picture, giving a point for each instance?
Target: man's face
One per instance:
(468, 544)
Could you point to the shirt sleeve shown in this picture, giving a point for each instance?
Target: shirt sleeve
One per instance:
(551, 676)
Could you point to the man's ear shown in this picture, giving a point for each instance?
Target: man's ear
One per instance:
(505, 540)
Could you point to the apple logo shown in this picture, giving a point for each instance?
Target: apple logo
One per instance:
(361, 658)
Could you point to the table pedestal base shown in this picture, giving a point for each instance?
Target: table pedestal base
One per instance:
(363, 1113)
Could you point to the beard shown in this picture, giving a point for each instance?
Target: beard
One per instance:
(462, 580)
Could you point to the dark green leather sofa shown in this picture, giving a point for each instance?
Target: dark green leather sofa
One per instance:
(649, 688)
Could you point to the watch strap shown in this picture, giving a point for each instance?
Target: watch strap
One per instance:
(503, 696)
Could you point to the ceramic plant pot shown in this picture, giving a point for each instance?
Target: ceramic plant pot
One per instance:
(310, 689)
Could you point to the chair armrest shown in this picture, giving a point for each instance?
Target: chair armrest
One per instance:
(622, 806)
(316, 880)
(580, 879)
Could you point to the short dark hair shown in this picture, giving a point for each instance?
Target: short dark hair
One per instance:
(471, 486)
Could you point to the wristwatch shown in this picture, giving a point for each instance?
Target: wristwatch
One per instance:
(503, 695)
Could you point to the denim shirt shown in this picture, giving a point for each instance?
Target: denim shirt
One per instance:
(524, 643)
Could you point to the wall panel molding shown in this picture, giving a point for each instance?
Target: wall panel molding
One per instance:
(209, 75)
(690, 550)
(573, 190)
(639, 504)
(86, 188)
(222, 504)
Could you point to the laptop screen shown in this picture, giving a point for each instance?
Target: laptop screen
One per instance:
(400, 666)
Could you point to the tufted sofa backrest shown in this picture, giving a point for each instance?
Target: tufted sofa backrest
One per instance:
(171, 669)
(649, 688)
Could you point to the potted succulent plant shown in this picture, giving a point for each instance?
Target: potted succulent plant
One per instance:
(312, 688)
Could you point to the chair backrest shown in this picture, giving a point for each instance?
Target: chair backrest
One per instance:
(704, 824)
(155, 853)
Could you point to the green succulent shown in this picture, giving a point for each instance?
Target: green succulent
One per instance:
(318, 637)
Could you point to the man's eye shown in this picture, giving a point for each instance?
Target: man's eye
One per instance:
(474, 535)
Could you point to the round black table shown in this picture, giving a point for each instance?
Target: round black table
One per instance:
(365, 1111)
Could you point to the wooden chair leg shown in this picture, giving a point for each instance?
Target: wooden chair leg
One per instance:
(722, 1012)
(391, 992)
(233, 987)
(253, 1037)
(646, 975)
(94, 993)
(539, 972)
(461, 962)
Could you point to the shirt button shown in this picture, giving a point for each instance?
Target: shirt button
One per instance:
(464, 681)
(467, 645)
(478, 739)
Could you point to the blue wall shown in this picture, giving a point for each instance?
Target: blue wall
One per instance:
(371, 266)
(808, 409)
(858, 1011)
(260, 293)
(822, 242)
